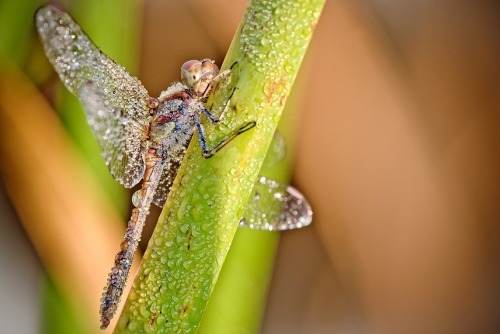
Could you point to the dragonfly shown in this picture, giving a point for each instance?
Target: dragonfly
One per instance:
(145, 138)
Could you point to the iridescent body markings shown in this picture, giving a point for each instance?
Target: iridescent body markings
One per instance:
(146, 138)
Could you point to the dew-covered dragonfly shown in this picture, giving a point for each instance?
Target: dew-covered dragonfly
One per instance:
(144, 138)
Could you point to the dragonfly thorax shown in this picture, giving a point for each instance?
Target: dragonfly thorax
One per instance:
(174, 121)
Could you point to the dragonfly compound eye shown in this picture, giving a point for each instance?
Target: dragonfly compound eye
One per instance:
(209, 69)
(191, 73)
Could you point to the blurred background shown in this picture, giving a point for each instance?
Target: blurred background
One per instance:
(397, 150)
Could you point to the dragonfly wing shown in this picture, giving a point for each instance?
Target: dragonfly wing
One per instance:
(275, 207)
(79, 62)
(170, 167)
(122, 139)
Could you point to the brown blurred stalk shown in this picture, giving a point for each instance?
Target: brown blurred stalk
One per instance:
(76, 234)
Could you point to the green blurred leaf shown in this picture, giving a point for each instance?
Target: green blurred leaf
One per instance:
(57, 317)
(16, 29)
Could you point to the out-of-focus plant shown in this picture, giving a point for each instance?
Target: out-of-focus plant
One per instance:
(62, 198)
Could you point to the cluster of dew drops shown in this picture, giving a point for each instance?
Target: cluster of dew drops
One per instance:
(282, 39)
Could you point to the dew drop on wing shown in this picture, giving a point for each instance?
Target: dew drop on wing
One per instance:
(74, 66)
(137, 197)
(103, 87)
(278, 195)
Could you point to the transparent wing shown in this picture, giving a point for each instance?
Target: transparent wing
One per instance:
(122, 139)
(275, 207)
(170, 167)
(79, 62)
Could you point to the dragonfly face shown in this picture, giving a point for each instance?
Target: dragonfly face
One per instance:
(199, 75)
(143, 138)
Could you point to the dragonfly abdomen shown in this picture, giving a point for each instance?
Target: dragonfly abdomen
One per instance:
(123, 260)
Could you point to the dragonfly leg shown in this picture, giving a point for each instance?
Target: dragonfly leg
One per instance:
(224, 74)
(211, 117)
(216, 120)
(207, 153)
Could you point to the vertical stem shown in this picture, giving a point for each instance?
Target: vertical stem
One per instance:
(200, 217)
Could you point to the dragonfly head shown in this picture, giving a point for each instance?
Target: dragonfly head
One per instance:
(198, 75)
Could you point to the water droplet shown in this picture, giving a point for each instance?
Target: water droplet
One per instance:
(133, 326)
(265, 41)
(289, 67)
(137, 198)
(268, 88)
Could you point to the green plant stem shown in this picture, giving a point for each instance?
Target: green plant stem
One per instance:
(197, 225)
(238, 301)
